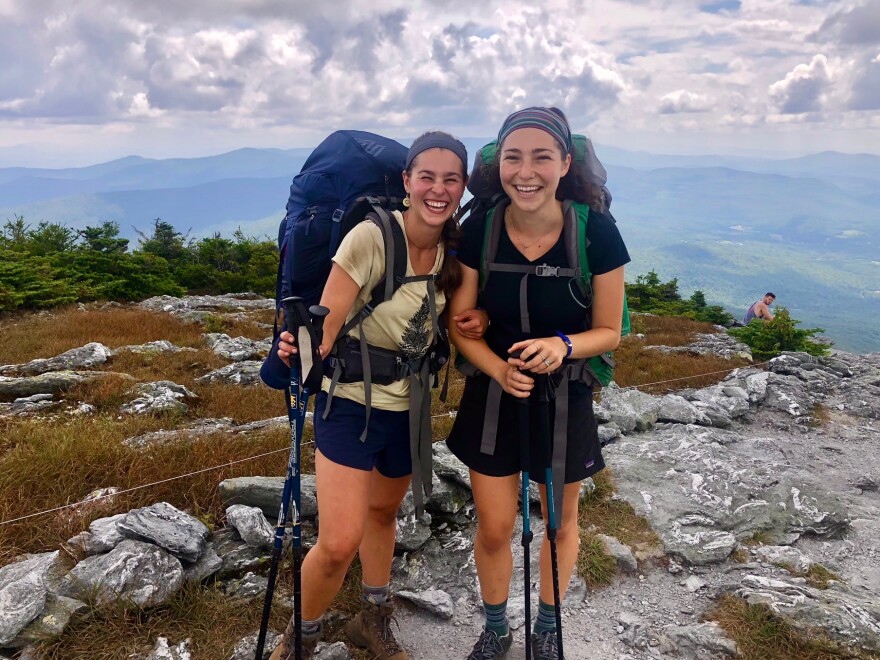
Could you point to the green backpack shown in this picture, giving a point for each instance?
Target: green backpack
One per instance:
(599, 369)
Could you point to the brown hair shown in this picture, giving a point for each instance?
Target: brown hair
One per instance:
(450, 273)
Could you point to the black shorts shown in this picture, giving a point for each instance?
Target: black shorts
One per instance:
(583, 454)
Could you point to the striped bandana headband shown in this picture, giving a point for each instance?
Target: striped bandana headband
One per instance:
(536, 117)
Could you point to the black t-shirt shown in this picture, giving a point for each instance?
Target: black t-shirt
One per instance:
(555, 303)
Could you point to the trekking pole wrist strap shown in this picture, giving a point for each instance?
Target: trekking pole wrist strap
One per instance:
(568, 345)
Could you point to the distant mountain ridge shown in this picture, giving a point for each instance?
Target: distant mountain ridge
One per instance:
(807, 228)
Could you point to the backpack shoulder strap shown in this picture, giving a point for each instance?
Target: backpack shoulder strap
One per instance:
(491, 239)
(576, 217)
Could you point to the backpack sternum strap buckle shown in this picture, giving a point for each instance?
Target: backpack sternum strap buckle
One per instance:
(547, 271)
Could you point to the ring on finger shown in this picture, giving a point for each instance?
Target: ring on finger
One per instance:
(547, 361)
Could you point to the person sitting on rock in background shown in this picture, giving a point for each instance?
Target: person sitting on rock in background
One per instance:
(760, 309)
(534, 164)
(360, 485)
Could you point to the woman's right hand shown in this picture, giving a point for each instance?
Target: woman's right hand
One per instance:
(286, 346)
(515, 382)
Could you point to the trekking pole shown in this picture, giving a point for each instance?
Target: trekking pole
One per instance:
(291, 496)
(526, 539)
(542, 391)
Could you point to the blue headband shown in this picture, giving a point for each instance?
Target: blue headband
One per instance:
(437, 141)
(545, 119)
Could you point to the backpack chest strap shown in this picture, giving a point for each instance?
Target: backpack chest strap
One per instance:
(543, 270)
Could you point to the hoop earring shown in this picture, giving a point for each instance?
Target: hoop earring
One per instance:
(406, 202)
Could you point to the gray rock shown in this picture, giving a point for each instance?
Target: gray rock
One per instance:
(153, 347)
(21, 601)
(163, 650)
(199, 428)
(238, 302)
(245, 373)
(434, 601)
(703, 488)
(866, 483)
(251, 525)
(168, 527)
(694, 583)
(678, 410)
(698, 640)
(51, 383)
(28, 405)
(608, 433)
(412, 533)
(50, 623)
(265, 494)
(84, 357)
(334, 651)
(788, 394)
(720, 344)
(248, 587)
(447, 465)
(783, 555)
(133, 572)
(845, 615)
(632, 630)
(247, 646)
(208, 564)
(626, 561)
(105, 535)
(24, 588)
(237, 349)
(630, 409)
(157, 397)
(236, 556)
(448, 496)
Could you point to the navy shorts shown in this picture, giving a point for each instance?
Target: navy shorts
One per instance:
(386, 447)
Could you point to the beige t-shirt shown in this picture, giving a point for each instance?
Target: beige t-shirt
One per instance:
(401, 324)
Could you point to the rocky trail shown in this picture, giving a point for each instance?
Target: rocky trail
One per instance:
(748, 484)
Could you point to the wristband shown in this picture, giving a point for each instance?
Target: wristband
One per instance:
(567, 343)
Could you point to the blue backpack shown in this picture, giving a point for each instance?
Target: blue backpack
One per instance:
(349, 176)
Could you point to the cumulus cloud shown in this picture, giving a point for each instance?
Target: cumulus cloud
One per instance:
(306, 67)
(804, 88)
(682, 100)
(858, 25)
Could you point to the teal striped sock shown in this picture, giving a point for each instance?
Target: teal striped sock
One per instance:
(496, 618)
(546, 619)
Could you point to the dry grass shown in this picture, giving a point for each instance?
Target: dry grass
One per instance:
(615, 517)
(30, 335)
(213, 621)
(817, 576)
(47, 467)
(758, 538)
(760, 635)
(600, 513)
(820, 415)
(637, 366)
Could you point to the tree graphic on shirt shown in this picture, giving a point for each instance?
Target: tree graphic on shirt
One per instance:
(414, 339)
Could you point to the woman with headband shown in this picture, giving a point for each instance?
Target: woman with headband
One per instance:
(534, 164)
(360, 485)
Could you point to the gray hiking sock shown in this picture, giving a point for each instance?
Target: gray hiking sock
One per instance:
(496, 618)
(375, 595)
(312, 628)
(546, 619)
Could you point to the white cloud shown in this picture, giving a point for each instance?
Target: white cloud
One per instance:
(682, 100)
(804, 88)
(287, 71)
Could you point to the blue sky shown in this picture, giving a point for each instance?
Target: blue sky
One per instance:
(85, 80)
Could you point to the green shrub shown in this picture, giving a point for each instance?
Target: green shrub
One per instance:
(768, 339)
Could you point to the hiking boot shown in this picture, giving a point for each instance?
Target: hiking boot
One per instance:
(371, 629)
(545, 646)
(285, 649)
(491, 646)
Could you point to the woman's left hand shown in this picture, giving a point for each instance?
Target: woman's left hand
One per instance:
(542, 355)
